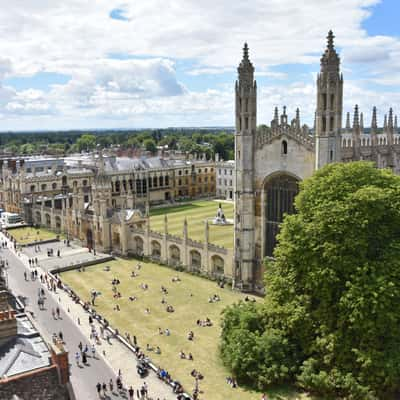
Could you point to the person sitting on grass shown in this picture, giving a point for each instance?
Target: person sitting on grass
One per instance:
(182, 355)
(132, 298)
(190, 335)
(157, 350)
(190, 357)
(170, 308)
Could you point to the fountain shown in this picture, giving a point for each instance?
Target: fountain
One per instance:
(220, 218)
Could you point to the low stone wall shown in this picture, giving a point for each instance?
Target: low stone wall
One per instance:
(83, 264)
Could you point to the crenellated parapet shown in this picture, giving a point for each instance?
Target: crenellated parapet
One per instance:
(280, 127)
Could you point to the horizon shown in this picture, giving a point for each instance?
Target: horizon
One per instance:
(103, 66)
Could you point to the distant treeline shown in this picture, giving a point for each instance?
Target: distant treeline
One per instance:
(209, 141)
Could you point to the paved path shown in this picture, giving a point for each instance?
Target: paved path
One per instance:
(100, 369)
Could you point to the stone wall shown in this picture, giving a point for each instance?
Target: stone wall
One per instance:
(36, 385)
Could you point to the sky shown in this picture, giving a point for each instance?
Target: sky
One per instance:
(100, 64)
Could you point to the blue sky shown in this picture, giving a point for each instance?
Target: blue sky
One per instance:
(111, 64)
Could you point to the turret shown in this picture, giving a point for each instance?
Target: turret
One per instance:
(348, 122)
(329, 107)
(374, 127)
(246, 125)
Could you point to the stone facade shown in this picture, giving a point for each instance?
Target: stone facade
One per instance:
(225, 179)
(271, 160)
(132, 182)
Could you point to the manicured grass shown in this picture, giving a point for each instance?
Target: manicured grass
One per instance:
(196, 214)
(189, 297)
(27, 235)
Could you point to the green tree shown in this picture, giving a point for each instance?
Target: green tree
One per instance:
(150, 145)
(86, 142)
(333, 289)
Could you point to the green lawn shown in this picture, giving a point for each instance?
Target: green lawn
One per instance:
(27, 235)
(190, 300)
(196, 213)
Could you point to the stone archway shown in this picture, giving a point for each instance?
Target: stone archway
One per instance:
(280, 191)
(47, 218)
(156, 249)
(139, 244)
(174, 255)
(38, 218)
(89, 239)
(195, 260)
(218, 265)
(58, 223)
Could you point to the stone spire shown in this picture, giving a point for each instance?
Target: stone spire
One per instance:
(348, 121)
(374, 123)
(390, 120)
(361, 122)
(165, 224)
(207, 232)
(385, 124)
(185, 229)
(276, 114)
(330, 60)
(246, 69)
(297, 120)
(395, 123)
(356, 122)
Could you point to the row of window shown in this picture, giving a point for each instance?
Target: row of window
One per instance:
(225, 172)
(225, 182)
(199, 171)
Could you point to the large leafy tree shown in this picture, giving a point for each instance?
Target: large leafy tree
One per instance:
(333, 291)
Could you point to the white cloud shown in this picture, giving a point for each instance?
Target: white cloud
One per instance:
(76, 38)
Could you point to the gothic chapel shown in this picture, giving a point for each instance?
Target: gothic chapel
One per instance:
(270, 162)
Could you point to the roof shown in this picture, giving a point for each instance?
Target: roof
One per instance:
(24, 352)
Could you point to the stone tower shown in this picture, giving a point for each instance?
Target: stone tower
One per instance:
(246, 124)
(329, 107)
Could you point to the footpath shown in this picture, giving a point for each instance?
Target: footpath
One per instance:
(114, 353)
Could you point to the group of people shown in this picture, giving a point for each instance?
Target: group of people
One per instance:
(33, 261)
(84, 353)
(205, 322)
(214, 298)
(183, 356)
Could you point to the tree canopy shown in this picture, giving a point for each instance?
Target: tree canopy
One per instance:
(331, 316)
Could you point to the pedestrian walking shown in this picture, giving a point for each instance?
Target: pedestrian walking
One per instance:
(93, 351)
(58, 312)
(104, 389)
(131, 392)
(84, 359)
(77, 358)
(25, 276)
(98, 387)
(61, 336)
(53, 313)
(80, 346)
(111, 385)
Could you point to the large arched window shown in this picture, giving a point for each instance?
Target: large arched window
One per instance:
(280, 192)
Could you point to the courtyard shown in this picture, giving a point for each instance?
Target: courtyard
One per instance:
(196, 213)
(28, 235)
(190, 300)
